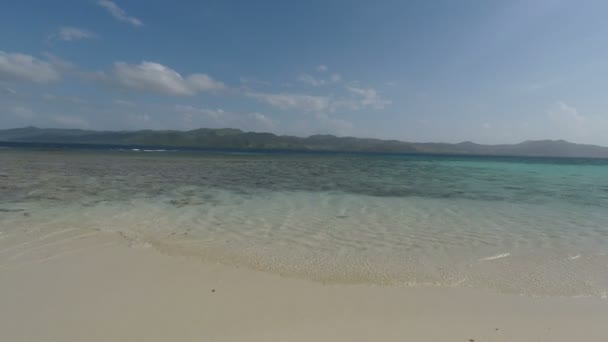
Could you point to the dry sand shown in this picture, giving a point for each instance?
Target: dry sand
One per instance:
(91, 286)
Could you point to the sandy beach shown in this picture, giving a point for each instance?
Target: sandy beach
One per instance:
(92, 286)
(303, 171)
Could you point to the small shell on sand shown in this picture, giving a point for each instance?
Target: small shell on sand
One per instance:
(494, 257)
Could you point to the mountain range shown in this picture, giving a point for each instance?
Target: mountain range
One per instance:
(229, 138)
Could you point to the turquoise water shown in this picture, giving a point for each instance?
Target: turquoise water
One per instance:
(518, 225)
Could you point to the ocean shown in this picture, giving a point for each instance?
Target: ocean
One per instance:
(532, 226)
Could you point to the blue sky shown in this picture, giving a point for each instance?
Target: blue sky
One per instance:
(486, 71)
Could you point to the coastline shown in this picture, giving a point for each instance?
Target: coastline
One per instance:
(96, 286)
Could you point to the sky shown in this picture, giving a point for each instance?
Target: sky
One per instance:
(442, 71)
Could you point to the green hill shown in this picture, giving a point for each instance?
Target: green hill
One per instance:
(230, 138)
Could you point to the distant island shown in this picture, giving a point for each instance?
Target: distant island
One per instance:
(230, 138)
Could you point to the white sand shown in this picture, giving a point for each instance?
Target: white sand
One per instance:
(95, 287)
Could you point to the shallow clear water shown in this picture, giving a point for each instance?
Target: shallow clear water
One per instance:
(521, 225)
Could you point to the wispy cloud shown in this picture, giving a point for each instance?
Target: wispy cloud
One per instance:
(70, 121)
(316, 82)
(308, 103)
(60, 64)
(189, 112)
(321, 68)
(361, 98)
(70, 34)
(251, 81)
(70, 99)
(118, 13)
(310, 80)
(262, 119)
(123, 103)
(23, 112)
(538, 86)
(338, 126)
(334, 78)
(369, 97)
(193, 117)
(22, 67)
(157, 78)
(7, 91)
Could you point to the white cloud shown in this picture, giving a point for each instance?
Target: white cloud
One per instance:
(151, 76)
(202, 82)
(17, 66)
(155, 77)
(262, 119)
(566, 114)
(322, 68)
(70, 34)
(118, 13)
(368, 97)
(565, 122)
(308, 103)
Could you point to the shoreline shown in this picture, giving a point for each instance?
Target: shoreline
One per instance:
(98, 287)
